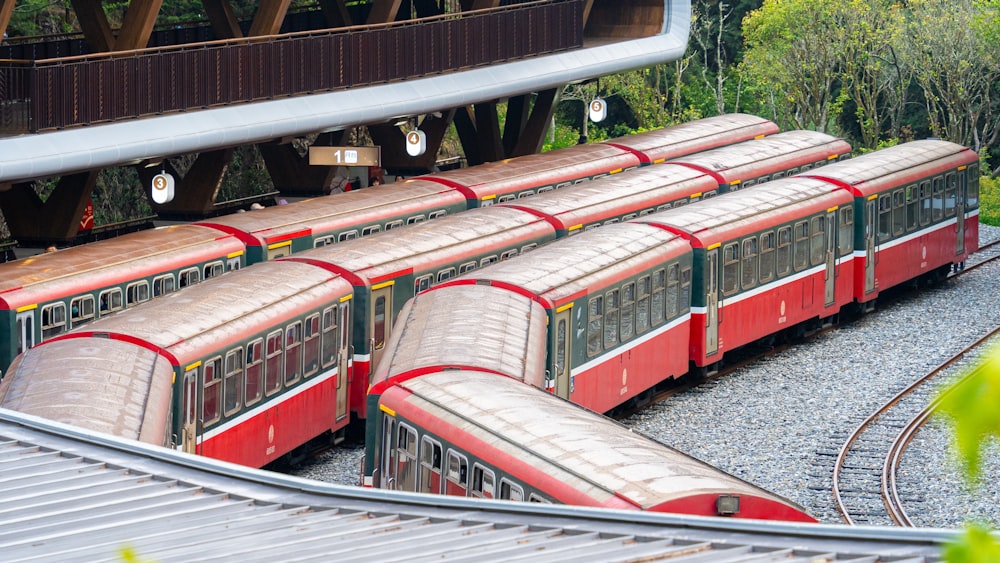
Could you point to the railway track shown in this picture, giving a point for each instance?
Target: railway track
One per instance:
(865, 479)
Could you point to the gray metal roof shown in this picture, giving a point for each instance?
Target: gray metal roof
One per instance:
(84, 148)
(71, 495)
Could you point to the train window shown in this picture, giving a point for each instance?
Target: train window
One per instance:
(817, 241)
(233, 383)
(189, 276)
(545, 190)
(595, 325)
(972, 189)
(663, 207)
(747, 184)
(800, 246)
(370, 230)
(293, 352)
(254, 372)
(136, 293)
(534, 497)
(506, 198)
(777, 176)
(611, 221)
(937, 209)
(406, 449)
(378, 320)
(422, 283)
(783, 255)
(467, 267)
(272, 363)
(347, 235)
(898, 213)
(684, 299)
(211, 397)
(766, 257)
(950, 189)
(483, 482)
(925, 203)
(163, 285)
(805, 167)
(345, 323)
(528, 247)
(646, 211)
(792, 171)
(445, 275)
(592, 226)
(436, 214)
(642, 305)
(680, 202)
(510, 491)
(560, 355)
(506, 255)
(81, 309)
(525, 193)
(748, 268)
(730, 268)
(656, 303)
(458, 474)
(562, 185)
(322, 241)
(611, 306)
(110, 300)
(25, 331)
(673, 283)
(393, 224)
(845, 238)
(415, 219)
(331, 336)
(53, 320)
(488, 260)
(310, 345)
(626, 321)
(430, 466)
(214, 269)
(912, 207)
(234, 263)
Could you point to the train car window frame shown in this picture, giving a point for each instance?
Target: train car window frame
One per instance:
(611, 221)
(783, 252)
(845, 236)
(81, 309)
(800, 245)
(591, 227)
(330, 346)
(311, 352)
(626, 317)
(347, 235)
(525, 193)
(595, 325)
(817, 240)
(741, 185)
(437, 214)
(535, 497)
(394, 224)
(380, 315)
(136, 293)
(232, 384)
(671, 297)
(926, 203)
(431, 464)
(765, 261)
(457, 474)
(657, 300)
(509, 490)
(253, 379)
(545, 189)
(211, 396)
(293, 353)
(562, 185)
(749, 263)
(162, 285)
(319, 242)
(912, 207)
(663, 207)
(529, 247)
(562, 335)
(467, 267)
(777, 175)
(898, 213)
(937, 199)
(730, 268)
(188, 277)
(684, 297)
(884, 217)
(488, 260)
(422, 283)
(371, 230)
(647, 211)
(214, 269)
(950, 193)
(110, 300)
(445, 275)
(53, 319)
(506, 198)
(484, 482)
(508, 254)
(273, 362)
(612, 306)
(972, 186)
(25, 322)
(234, 263)
(406, 458)
(642, 304)
(415, 219)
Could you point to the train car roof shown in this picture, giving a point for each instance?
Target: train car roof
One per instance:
(336, 211)
(575, 451)
(461, 326)
(428, 245)
(568, 268)
(695, 136)
(252, 297)
(617, 195)
(113, 261)
(761, 157)
(491, 179)
(750, 210)
(74, 494)
(894, 166)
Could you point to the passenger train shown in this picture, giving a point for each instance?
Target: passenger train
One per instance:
(253, 364)
(46, 295)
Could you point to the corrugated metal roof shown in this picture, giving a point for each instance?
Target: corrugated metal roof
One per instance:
(70, 495)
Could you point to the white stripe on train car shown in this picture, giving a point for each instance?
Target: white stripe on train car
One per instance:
(631, 344)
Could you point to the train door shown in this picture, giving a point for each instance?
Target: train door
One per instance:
(387, 461)
(712, 301)
(343, 355)
(279, 250)
(831, 256)
(380, 313)
(870, 217)
(191, 409)
(25, 330)
(561, 348)
(961, 189)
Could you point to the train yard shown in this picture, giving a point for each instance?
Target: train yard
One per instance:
(787, 439)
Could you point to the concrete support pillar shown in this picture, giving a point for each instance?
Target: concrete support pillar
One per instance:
(393, 143)
(524, 130)
(194, 194)
(57, 219)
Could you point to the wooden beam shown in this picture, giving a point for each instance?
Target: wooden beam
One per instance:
(533, 133)
(6, 9)
(292, 174)
(138, 24)
(335, 13)
(94, 24)
(267, 20)
(222, 19)
(484, 4)
(57, 220)
(194, 194)
(488, 131)
(383, 11)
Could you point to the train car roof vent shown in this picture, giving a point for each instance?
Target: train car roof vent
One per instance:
(727, 505)
(484, 282)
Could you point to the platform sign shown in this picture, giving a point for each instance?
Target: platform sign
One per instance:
(598, 110)
(163, 188)
(416, 143)
(345, 156)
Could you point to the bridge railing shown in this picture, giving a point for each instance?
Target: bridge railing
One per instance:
(73, 91)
